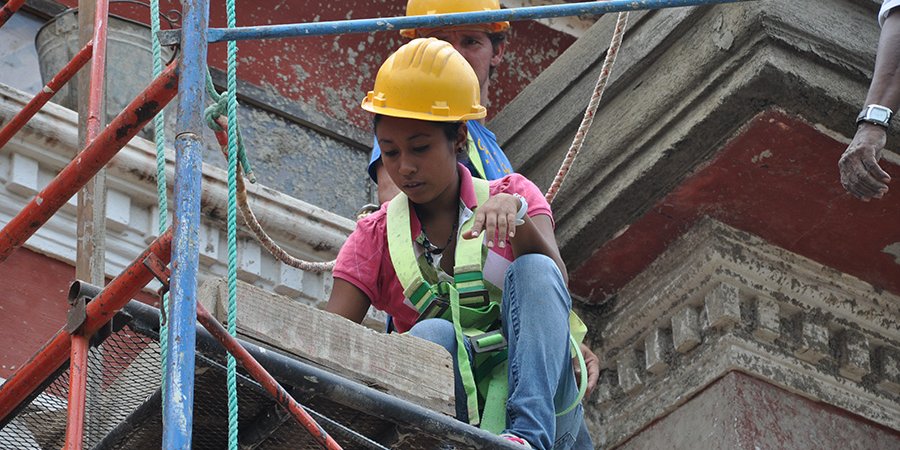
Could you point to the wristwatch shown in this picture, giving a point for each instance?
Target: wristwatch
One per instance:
(523, 209)
(875, 114)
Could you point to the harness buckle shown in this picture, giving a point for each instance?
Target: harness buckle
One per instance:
(436, 307)
(488, 342)
(475, 298)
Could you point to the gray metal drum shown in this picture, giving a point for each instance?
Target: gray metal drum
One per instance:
(129, 60)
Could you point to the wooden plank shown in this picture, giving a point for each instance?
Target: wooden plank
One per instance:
(403, 366)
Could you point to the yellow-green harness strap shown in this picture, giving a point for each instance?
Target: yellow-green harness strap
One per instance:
(470, 309)
(467, 290)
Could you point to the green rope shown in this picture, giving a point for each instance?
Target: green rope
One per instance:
(232, 227)
(159, 130)
(220, 108)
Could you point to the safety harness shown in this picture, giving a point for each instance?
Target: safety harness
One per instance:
(472, 305)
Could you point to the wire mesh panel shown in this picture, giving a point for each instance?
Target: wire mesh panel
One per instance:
(122, 372)
(124, 404)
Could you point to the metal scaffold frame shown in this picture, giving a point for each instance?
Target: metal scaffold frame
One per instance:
(180, 244)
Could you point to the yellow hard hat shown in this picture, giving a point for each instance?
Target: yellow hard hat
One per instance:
(426, 79)
(430, 7)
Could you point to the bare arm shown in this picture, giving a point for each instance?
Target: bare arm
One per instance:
(348, 301)
(860, 173)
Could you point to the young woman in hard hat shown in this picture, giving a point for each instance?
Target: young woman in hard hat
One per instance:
(464, 262)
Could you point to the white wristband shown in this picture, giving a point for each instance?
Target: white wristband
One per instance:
(523, 210)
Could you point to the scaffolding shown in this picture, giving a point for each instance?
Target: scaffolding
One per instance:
(180, 244)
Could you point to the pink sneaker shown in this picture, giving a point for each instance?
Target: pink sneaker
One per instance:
(515, 439)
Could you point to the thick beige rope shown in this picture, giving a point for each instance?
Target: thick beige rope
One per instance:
(252, 222)
(608, 63)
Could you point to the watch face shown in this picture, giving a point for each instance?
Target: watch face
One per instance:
(878, 114)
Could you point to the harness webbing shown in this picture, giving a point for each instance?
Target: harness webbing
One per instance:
(467, 298)
(471, 310)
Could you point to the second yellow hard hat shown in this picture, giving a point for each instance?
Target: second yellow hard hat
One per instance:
(429, 7)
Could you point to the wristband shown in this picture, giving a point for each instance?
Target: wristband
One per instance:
(523, 210)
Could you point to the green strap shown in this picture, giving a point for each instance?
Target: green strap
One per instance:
(462, 358)
(582, 387)
(467, 320)
(494, 417)
(467, 271)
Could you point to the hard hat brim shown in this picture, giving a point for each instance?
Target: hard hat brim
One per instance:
(367, 105)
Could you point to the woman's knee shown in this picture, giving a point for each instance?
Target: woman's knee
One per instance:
(439, 331)
(535, 272)
(534, 265)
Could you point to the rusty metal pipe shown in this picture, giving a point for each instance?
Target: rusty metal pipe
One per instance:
(78, 375)
(86, 164)
(38, 101)
(256, 370)
(99, 311)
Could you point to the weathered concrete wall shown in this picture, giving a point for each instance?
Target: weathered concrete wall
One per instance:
(332, 73)
(776, 179)
(740, 412)
(686, 82)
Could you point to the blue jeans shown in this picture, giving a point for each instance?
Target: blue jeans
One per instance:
(535, 318)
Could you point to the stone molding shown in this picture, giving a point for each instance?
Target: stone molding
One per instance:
(686, 81)
(48, 143)
(721, 300)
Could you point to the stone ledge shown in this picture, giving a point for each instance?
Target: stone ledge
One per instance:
(721, 300)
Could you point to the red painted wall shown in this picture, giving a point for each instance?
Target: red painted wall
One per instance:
(33, 305)
(778, 179)
(332, 73)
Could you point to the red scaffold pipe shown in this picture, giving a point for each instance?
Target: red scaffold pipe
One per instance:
(9, 9)
(256, 370)
(78, 374)
(98, 71)
(38, 101)
(87, 163)
(99, 311)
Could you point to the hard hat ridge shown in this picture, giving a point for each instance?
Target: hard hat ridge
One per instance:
(426, 79)
(431, 7)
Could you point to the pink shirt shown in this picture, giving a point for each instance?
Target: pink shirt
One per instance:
(365, 262)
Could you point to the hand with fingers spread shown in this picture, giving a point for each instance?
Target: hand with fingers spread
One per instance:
(860, 173)
(497, 219)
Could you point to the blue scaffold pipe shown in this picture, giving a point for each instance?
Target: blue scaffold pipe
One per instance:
(182, 314)
(442, 20)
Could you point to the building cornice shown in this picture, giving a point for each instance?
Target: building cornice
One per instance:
(721, 300)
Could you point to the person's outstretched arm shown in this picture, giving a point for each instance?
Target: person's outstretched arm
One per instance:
(860, 173)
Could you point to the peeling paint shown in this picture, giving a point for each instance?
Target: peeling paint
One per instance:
(893, 250)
